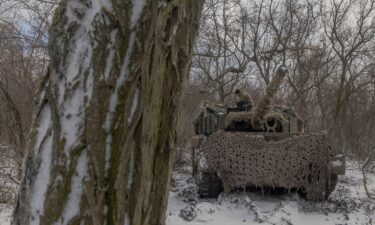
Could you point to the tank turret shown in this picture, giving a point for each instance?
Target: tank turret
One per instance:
(264, 106)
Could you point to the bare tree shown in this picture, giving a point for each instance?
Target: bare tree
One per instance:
(218, 65)
(23, 40)
(349, 42)
(11, 82)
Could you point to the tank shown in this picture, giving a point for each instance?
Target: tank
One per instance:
(261, 146)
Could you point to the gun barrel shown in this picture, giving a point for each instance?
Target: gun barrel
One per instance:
(266, 103)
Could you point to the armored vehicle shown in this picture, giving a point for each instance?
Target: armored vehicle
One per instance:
(261, 146)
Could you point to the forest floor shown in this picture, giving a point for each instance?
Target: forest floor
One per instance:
(347, 205)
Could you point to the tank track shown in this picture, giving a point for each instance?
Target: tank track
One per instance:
(209, 185)
(331, 185)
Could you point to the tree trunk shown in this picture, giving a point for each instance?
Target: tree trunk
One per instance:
(103, 136)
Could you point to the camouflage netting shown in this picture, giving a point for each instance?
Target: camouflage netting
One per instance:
(237, 117)
(248, 117)
(263, 109)
(243, 160)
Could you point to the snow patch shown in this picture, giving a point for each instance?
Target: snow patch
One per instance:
(44, 124)
(72, 119)
(127, 220)
(134, 105)
(138, 6)
(72, 207)
(40, 187)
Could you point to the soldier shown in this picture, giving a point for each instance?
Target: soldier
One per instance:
(245, 99)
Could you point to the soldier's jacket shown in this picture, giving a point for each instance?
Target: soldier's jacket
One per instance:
(246, 97)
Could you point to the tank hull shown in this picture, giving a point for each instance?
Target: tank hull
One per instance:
(241, 160)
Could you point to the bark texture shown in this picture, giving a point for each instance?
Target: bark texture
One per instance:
(103, 134)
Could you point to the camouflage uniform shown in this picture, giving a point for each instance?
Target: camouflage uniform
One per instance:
(245, 99)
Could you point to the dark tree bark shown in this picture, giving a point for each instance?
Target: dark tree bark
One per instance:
(103, 136)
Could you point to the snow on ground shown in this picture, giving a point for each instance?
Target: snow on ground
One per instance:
(347, 205)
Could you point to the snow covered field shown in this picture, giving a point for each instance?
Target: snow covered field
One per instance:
(347, 205)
